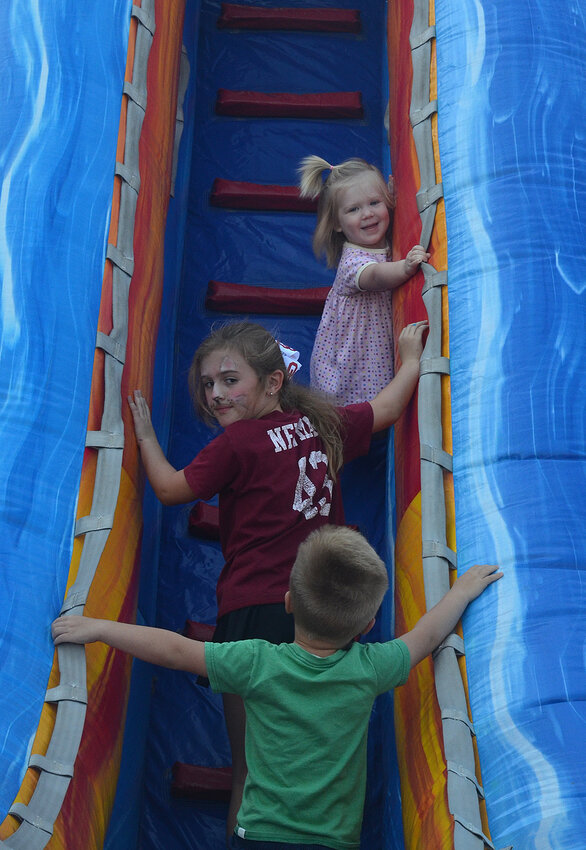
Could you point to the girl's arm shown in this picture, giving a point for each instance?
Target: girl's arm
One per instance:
(157, 646)
(440, 620)
(169, 484)
(381, 276)
(392, 400)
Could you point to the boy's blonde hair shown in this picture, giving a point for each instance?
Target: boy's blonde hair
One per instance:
(337, 584)
(326, 239)
(261, 351)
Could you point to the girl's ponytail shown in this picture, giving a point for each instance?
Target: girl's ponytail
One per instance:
(310, 173)
(323, 416)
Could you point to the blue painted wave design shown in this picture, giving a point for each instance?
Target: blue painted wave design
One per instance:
(512, 143)
(63, 71)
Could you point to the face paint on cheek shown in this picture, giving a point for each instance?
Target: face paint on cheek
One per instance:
(240, 401)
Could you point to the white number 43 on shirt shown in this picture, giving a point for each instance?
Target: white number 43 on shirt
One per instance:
(306, 491)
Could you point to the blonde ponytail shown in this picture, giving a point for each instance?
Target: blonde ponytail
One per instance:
(310, 173)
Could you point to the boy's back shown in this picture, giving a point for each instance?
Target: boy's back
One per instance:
(307, 703)
(307, 724)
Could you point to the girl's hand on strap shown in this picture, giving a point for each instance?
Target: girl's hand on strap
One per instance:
(411, 341)
(391, 401)
(414, 258)
(169, 484)
(141, 416)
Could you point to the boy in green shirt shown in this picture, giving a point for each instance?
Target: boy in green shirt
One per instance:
(307, 703)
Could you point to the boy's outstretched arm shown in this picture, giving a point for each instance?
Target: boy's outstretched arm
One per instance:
(157, 646)
(392, 400)
(441, 620)
(169, 484)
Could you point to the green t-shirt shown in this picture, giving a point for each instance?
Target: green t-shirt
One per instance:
(306, 730)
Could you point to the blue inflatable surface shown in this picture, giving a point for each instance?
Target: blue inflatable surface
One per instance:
(56, 162)
(512, 142)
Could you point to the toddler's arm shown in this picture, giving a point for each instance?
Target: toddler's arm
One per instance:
(392, 400)
(440, 620)
(169, 484)
(157, 646)
(381, 276)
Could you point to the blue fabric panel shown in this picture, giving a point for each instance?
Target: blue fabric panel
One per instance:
(62, 71)
(512, 144)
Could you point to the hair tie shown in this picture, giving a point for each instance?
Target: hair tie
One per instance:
(291, 358)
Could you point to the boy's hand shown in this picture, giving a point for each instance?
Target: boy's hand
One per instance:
(141, 415)
(74, 629)
(476, 580)
(439, 621)
(414, 258)
(411, 341)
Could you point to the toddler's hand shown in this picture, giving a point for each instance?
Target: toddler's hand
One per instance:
(74, 629)
(414, 258)
(141, 415)
(476, 580)
(411, 341)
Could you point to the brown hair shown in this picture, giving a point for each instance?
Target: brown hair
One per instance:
(261, 351)
(326, 239)
(337, 584)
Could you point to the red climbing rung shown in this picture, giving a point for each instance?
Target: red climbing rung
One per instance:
(199, 631)
(204, 521)
(324, 105)
(194, 782)
(256, 196)
(226, 297)
(235, 16)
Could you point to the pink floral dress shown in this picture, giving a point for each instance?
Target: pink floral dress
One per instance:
(352, 358)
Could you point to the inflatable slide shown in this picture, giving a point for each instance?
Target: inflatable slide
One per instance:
(148, 162)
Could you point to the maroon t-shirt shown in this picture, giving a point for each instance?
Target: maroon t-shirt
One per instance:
(275, 488)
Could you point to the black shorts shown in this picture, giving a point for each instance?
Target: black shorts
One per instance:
(267, 622)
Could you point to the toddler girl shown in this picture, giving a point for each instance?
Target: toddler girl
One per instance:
(275, 467)
(352, 357)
